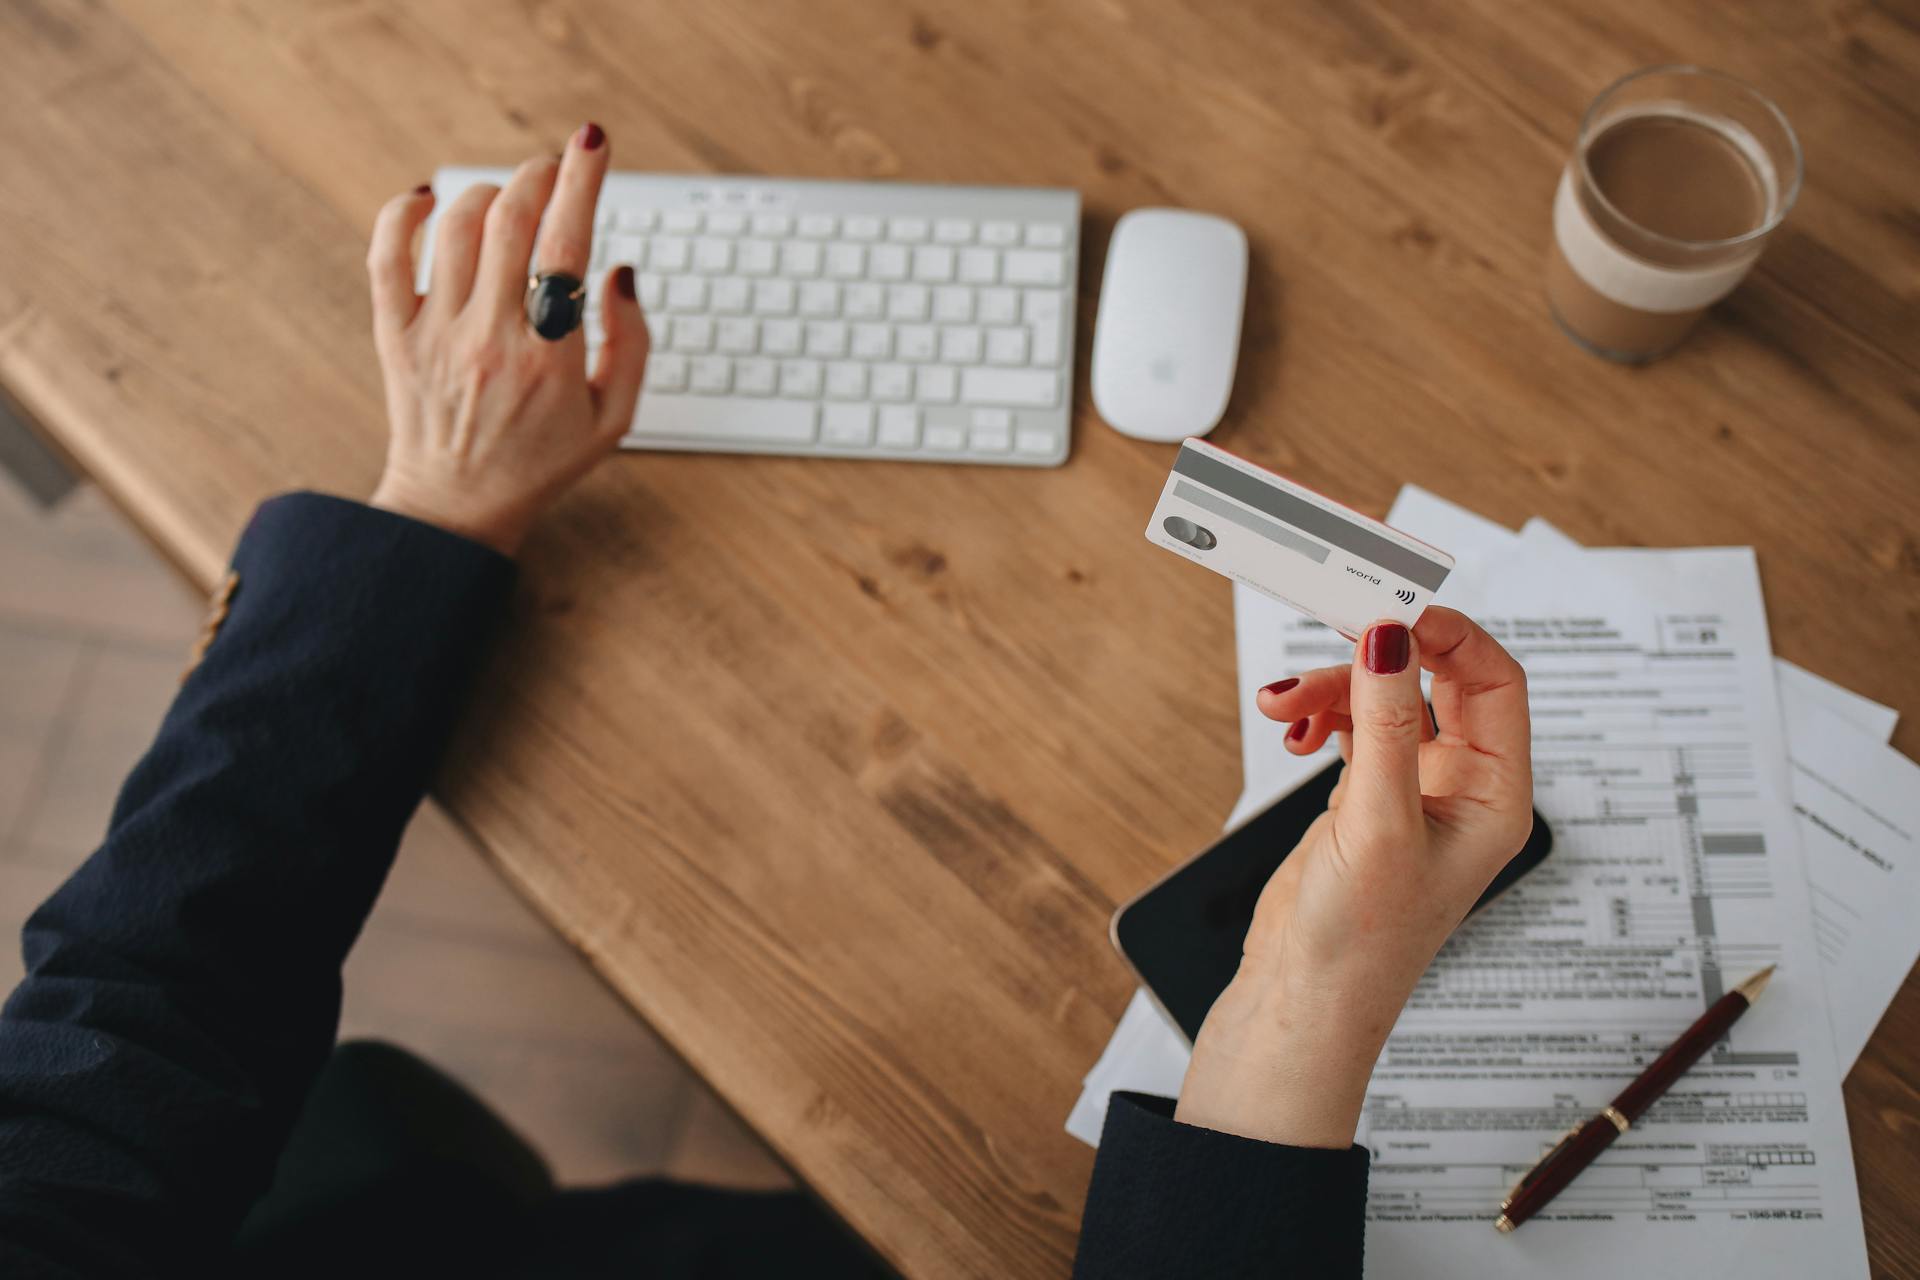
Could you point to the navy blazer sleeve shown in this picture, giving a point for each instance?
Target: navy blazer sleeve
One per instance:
(183, 987)
(1171, 1199)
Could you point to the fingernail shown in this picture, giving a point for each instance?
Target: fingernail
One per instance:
(623, 282)
(1387, 648)
(591, 136)
(1280, 686)
(424, 189)
(1298, 733)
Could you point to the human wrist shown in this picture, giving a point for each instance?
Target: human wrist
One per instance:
(421, 503)
(1286, 1058)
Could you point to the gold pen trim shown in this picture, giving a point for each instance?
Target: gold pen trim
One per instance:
(1620, 1121)
(1504, 1226)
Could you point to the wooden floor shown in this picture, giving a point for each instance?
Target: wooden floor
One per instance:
(94, 630)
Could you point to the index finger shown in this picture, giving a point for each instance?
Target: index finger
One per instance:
(566, 236)
(1479, 690)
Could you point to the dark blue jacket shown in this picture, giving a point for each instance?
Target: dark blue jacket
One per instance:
(183, 987)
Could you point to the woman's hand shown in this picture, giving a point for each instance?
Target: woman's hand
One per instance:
(1418, 826)
(489, 422)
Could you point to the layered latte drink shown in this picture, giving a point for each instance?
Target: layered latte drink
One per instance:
(1678, 177)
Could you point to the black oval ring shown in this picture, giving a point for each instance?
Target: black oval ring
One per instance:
(556, 303)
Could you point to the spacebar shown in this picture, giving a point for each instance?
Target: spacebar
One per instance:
(1026, 388)
(718, 418)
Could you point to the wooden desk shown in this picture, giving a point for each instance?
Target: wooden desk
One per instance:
(836, 770)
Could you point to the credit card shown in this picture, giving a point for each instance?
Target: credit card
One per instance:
(1328, 561)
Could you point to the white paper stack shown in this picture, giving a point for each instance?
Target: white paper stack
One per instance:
(1714, 810)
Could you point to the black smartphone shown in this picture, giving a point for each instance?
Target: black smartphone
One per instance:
(1183, 936)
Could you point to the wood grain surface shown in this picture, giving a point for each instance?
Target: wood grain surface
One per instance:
(837, 769)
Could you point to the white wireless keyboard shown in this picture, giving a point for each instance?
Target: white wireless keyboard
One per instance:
(851, 319)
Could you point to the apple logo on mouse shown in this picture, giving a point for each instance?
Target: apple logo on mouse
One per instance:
(1165, 369)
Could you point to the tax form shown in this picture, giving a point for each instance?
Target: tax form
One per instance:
(1553, 998)
(1676, 871)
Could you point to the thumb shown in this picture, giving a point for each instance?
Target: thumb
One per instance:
(1383, 781)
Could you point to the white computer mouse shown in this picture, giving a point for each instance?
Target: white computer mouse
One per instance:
(1168, 333)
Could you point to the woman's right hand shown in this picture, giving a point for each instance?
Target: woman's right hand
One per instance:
(1420, 823)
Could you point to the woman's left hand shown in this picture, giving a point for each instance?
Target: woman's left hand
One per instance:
(489, 422)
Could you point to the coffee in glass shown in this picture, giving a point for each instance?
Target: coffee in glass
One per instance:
(1677, 179)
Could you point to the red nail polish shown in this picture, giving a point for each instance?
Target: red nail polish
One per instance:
(1298, 733)
(1388, 646)
(623, 282)
(1280, 686)
(424, 189)
(591, 136)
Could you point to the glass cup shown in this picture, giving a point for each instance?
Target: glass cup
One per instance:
(1677, 179)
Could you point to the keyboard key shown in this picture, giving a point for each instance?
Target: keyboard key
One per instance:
(1021, 388)
(1046, 343)
(907, 302)
(960, 345)
(915, 342)
(704, 418)
(872, 341)
(933, 263)
(1034, 266)
(726, 224)
(849, 424)
(800, 378)
(711, 256)
(1006, 346)
(736, 337)
(846, 261)
(899, 427)
(910, 230)
(946, 439)
(997, 440)
(711, 375)
(820, 298)
(1002, 234)
(800, 258)
(818, 226)
(780, 337)
(1035, 442)
(653, 291)
(979, 266)
(953, 304)
(953, 230)
(826, 338)
(657, 328)
(666, 372)
(692, 334)
(861, 227)
(680, 221)
(936, 384)
(1046, 235)
(755, 377)
(634, 219)
(999, 306)
(888, 262)
(993, 419)
(631, 250)
(729, 296)
(847, 380)
(863, 302)
(773, 298)
(687, 293)
(669, 254)
(757, 257)
(892, 382)
(1043, 306)
(772, 224)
